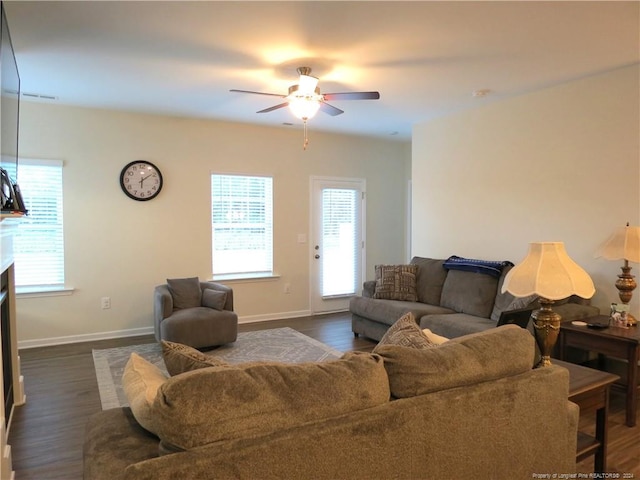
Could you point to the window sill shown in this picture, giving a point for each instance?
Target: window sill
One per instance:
(246, 277)
(43, 291)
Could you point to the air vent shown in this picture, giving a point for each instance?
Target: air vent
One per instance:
(39, 96)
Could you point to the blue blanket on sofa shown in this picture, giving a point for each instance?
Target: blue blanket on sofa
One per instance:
(488, 267)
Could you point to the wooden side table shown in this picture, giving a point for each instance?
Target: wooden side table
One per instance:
(614, 342)
(589, 389)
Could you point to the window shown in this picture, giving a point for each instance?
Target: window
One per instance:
(242, 225)
(39, 243)
(340, 241)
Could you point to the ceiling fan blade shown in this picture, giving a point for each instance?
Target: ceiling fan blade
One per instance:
(330, 109)
(275, 107)
(258, 93)
(352, 96)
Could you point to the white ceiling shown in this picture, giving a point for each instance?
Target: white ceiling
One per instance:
(425, 58)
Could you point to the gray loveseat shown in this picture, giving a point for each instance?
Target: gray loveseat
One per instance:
(467, 409)
(450, 303)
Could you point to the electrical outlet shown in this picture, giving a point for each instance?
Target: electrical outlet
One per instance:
(287, 288)
(106, 302)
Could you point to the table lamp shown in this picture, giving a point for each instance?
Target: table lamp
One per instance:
(547, 271)
(624, 244)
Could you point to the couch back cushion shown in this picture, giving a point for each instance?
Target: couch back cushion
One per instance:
(479, 357)
(505, 301)
(220, 403)
(469, 292)
(429, 279)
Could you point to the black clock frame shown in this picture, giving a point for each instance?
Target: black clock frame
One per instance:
(133, 197)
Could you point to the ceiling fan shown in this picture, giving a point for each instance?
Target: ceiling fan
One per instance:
(304, 99)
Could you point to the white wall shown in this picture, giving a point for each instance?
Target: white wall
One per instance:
(121, 248)
(560, 164)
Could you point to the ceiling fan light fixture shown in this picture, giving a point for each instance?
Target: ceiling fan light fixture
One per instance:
(304, 99)
(304, 108)
(307, 85)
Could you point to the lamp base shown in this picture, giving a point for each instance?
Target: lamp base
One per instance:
(546, 325)
(626, 284)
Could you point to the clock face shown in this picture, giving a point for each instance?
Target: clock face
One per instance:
(141, 180)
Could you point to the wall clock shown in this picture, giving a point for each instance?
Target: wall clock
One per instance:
(141, 180)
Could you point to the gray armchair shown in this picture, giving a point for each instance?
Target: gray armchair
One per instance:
(194, 313)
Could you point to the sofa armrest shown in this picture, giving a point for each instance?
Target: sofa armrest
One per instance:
(162, 307)
(162, 302)
(368, 288)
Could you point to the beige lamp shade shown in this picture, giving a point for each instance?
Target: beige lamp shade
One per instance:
(547, 271)
(623, 244)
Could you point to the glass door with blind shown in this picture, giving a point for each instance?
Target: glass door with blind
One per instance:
(337, 242)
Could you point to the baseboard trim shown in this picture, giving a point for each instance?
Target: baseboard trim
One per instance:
(274, 316)
(85, 337)
(136, 332)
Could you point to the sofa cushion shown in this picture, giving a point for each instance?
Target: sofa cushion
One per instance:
(185, 292)
(469, 292)
(180, 358)
(429, 279)
(384, 311)
(396, 282)
(479, 357)
(221, 403)
(456, 324)
(140, 382)
(407, 333)
(214, 299)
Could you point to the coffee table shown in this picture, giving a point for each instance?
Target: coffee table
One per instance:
(615, 342)
(589, 389)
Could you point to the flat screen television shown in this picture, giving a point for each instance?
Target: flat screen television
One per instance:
(10, 197)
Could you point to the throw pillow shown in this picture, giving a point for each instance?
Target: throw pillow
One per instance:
(405, 333)
(434, 337)
(140, 382)
(179, 358)
(214, 299)
(396, 282)
(186, 292)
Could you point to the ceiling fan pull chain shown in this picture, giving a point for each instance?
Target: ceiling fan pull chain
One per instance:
(306, 140)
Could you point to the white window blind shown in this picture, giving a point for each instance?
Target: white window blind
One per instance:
(39, 242)
(340, 241)
(242, 224)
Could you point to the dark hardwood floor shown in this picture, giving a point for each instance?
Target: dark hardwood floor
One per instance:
(46, 434)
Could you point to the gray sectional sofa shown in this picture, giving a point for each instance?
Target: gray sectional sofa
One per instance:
(401, 413)
(451, 302)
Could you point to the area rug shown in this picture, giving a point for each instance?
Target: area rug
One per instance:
(278, 344)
